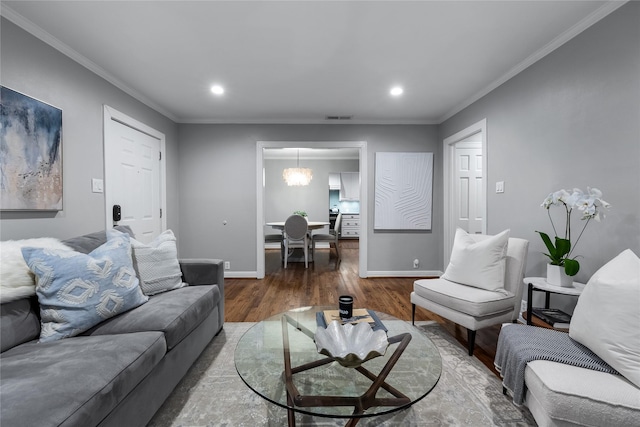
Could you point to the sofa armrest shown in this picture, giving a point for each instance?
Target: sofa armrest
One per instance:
(202, 272)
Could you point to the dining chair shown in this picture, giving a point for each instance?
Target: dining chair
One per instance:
(296, 235)
(331, 238)
(276, 238)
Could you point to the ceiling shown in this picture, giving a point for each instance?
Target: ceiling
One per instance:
(301, 61)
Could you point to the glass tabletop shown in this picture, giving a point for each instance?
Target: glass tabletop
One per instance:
(260, 362)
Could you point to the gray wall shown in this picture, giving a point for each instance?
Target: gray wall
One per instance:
(34, 68)
(280, 200)
(217, 184)
(570, 120)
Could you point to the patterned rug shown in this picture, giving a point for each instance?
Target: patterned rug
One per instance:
(212, 393)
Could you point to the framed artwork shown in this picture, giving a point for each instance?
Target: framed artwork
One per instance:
(30, 153)
(403, 191)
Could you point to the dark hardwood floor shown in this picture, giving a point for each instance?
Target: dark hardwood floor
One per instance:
(251, 300)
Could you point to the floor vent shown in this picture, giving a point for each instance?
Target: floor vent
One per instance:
(338, 117)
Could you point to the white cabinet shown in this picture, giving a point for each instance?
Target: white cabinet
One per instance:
(349, 186)
(334, 181)
(350, 226)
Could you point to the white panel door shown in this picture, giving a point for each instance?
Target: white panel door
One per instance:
(469, 189)
(132, 179)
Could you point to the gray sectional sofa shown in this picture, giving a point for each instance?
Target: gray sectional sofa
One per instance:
(119, 372)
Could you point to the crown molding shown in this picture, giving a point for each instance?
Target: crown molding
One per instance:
(63, 48)
(554, 44)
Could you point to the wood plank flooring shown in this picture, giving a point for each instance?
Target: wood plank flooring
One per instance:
(251, 300)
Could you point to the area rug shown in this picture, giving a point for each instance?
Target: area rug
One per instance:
(212, 393)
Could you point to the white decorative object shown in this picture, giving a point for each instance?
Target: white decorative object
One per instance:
(556, 276)
(351, 345)
(607, 315)
(403, 191)
(16, 280)
(480, 264)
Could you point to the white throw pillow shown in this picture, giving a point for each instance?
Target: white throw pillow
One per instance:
(478, 261)
(607, 315)
(157, 264)
(16, 279)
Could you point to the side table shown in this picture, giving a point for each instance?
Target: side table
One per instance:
(540, 284)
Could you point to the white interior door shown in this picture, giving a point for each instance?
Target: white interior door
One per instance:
(469, 187)
(133, 178)
(459, 201)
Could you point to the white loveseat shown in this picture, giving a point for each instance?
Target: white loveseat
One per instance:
(606, 320)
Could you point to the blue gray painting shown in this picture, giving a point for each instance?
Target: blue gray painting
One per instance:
(30, 153)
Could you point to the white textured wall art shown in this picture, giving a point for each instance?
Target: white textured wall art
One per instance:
(403, 191)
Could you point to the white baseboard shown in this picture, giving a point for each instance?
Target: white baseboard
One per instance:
(406, 273)
(240, 274)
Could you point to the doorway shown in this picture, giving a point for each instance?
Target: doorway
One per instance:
(465, 183)
(134, 175)
(360, 146)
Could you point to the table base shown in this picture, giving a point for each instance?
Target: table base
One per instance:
(360, 403)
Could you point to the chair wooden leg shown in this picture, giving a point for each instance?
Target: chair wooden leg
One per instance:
(306, 253)
(471, 339)
(337, 249)
(413, 314)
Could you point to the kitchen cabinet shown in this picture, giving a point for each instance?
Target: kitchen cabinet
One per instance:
(350, 226)
(349, 186)
(334, 181)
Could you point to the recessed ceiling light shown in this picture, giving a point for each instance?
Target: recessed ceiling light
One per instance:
(217, 89)
(396, 91)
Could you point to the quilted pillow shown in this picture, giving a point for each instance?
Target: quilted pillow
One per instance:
(607, 315)
(157, 264)
(480, 263)
(77, 291)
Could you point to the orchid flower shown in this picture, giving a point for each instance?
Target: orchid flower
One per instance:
(590, 204)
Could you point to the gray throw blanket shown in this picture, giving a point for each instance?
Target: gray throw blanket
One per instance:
(521, 344)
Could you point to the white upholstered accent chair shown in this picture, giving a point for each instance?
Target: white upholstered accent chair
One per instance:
(296, 235)
(476, 307)
(331, 238)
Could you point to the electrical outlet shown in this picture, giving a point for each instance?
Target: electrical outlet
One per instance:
(416, 263)
(227, 265)
(500, 187)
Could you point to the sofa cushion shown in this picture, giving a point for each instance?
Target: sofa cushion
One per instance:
(77, 291)
(19, 322)
(478, 263)
(607, 315)
(89, 242)
(176, 313)
(569, 395)
(466, 299)
(157, 264)
(75, 381)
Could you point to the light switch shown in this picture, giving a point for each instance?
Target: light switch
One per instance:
(500, 187)
(97, 185)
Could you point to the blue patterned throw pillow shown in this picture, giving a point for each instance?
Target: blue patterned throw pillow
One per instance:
(78, 291)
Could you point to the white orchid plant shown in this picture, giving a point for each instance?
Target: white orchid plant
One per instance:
(590, 204)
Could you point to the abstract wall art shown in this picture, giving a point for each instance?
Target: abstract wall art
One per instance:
(403, 191)
(30, 153)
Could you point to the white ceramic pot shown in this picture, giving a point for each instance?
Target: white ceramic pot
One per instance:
(556, 276)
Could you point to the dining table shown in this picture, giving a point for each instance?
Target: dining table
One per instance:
(311, 225)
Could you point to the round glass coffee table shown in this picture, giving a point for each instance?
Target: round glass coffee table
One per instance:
(278, 359)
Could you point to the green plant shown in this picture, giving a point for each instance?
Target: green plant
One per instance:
(560, 249)
(301, 213)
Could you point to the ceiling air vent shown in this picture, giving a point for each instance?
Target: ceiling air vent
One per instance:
(338, 117)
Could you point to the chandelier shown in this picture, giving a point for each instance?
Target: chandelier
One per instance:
(297, 176)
